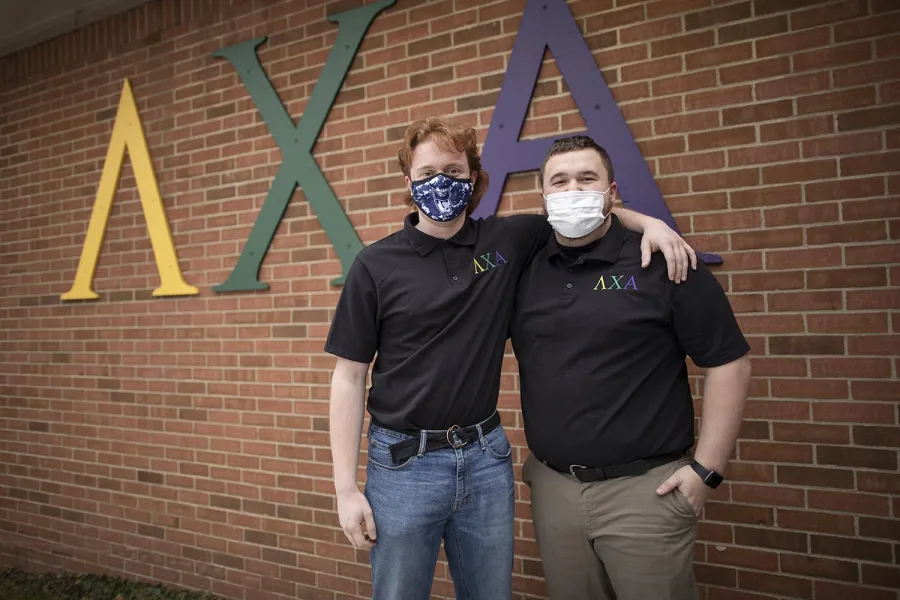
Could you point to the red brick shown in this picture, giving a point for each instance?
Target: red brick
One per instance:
(816, 566)
(757, 112)
(820, 389)
(724, 180)
(800, 171)
(794, 86)
(844, 278)
(874, 345)
(721, 576)
(615, 18)
(724, 137)
(725, 221)
(771, 538)
(889, 46)
(793, 42)
(651, 68)
(786, 280)
(781, 410)
(806, 432)
(844, 323)
(801, 215)
(753, 29)
(813, 257)
(773, 238)
(840, 100)
(868, 118)
(719, 97)
(735, 513)
(681, 44)
(876, 390)
(882, 576)
(745, 557)
(851, 548)
(848, 502)
(763, 7)
(794, 587)
(879, 528)
(800, 128)
(856, 457)
(651, 30)
(827, 590)
(687, 82)
(850, 367)
(788, 194)
(872, 255)
(662, 8)
(759, 69)
(825, 15)
(858, 412)
(842, 144)
(816, 522)
(882, 162)
(833, 56)
(767, 495)
(875, 72)
(890, 94)
(688, 163)
(841, 190)
(857, 232)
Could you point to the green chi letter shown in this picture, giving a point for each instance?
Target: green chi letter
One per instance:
(296, 143)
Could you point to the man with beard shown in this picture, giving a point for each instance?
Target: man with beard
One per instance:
(433, 302)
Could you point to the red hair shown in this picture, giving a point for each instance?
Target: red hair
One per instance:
(450, 138)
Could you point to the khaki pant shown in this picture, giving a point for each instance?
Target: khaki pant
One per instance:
(613, 539)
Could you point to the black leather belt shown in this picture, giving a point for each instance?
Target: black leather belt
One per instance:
(455, 437)
(637, 467)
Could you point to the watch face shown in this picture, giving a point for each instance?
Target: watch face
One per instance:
(713, 479)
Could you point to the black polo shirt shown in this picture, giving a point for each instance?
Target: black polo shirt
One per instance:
(436, 313)
(601, 345)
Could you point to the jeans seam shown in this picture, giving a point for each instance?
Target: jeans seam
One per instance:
(459, 560)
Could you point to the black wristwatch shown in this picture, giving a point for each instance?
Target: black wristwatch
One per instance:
(710, 478)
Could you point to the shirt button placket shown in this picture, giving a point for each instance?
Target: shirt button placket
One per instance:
(451, 262)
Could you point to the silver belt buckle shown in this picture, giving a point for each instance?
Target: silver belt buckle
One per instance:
(573, 467)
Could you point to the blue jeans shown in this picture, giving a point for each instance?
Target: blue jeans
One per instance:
(463, 496)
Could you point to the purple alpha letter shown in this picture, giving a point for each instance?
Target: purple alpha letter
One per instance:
(549, 23)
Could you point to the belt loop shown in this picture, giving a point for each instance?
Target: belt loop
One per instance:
(480, 435)
(423, 437)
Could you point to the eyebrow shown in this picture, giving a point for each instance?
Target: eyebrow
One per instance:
(448, 165)
(579, 174)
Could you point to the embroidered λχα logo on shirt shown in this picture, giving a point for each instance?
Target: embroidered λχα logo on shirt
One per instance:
(614, 282)
(488, 261)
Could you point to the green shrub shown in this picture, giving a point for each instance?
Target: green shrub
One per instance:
(19, 585)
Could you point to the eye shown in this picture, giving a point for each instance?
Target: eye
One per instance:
(587, 178)
(454, 171)
(425, 174)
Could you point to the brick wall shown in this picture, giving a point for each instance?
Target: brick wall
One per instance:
(185, 440)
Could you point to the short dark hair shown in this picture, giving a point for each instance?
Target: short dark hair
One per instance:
(578, 142)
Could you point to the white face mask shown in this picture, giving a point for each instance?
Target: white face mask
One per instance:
(576, 214)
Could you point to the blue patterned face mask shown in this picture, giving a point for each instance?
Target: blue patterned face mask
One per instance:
(442, 198)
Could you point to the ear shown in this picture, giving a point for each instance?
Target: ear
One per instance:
(474, 178)
(408, 182)
(613, 194)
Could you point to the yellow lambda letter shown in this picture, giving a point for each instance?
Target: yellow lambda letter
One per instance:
(128, 133)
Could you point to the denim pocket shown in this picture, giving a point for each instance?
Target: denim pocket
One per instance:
(497, 444)
(380, 452)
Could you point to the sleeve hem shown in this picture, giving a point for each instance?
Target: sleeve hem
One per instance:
(348, 354)
(722, 359)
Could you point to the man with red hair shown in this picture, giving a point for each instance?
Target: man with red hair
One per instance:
(432, 305)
